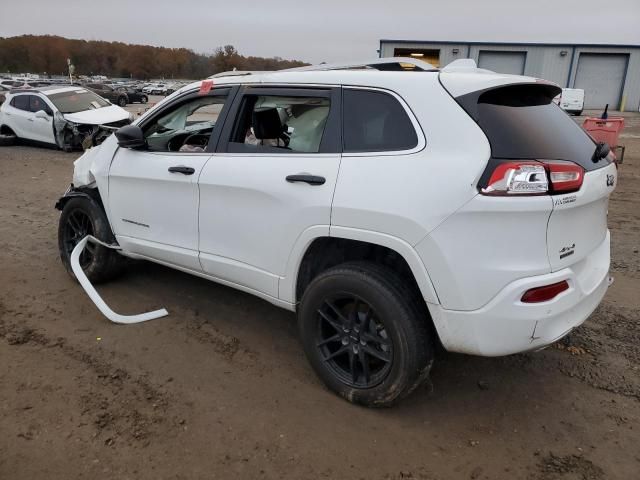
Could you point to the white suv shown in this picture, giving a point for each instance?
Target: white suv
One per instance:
(64, 116)
(390, 209)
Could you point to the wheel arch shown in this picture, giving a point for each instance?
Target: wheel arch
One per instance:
(6, 130)
(318, 249)
(91, 194)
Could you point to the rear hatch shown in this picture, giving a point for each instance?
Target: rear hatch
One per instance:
(523, 125)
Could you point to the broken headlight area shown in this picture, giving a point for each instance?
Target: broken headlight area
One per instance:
(72, 136)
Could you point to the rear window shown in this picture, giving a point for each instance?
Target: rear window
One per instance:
(523, 122)
(375, 122)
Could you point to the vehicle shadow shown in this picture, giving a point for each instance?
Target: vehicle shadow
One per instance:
(457, 380)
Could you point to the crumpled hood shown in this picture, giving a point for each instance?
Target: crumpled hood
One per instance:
(98, 116)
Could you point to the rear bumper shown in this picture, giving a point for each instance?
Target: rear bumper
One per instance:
(505, 325)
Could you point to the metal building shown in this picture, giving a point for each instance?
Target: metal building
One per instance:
(609, 74)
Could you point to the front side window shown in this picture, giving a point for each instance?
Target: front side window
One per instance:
(78, 100)
(36, 104)
(21, 102)
(268, 123)
(375, 122)
(187, 127)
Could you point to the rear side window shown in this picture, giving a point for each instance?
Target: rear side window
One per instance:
(375, 122)
(21, 102)
(523, 122)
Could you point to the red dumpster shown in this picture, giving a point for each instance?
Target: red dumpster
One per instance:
(608, 131)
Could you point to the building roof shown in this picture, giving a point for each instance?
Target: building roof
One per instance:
(524, 44)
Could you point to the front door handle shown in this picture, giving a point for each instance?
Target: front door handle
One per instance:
(182, 170)
(306, 178)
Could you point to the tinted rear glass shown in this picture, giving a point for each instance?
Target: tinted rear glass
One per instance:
(522, 122)
(375, 122)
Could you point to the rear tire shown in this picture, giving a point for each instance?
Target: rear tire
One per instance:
(365, 336)
(144, 99)
(6, 140)
(122, 102)
(83, 216)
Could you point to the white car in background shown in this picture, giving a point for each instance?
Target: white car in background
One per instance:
(345, 194)
(66, 117)
(155, 89)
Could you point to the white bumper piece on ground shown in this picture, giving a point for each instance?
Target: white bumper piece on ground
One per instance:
(95, 297)
(506, 325)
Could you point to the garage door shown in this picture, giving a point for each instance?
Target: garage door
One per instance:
(601, 76)
(503, 62)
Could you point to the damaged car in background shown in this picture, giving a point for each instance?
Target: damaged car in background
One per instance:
(67, 117)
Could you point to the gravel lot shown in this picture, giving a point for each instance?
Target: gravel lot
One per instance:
(220, 387)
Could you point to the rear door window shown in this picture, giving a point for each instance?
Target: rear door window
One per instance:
(375, 121)
(523, 122)
(21, 102)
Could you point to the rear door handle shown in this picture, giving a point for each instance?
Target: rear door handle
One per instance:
(306, 178)
(183, 170)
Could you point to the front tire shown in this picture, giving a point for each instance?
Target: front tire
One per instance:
(83, 216)
(122, 102)
(144, 99)
(364, 335)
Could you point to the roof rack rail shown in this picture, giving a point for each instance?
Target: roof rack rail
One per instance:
(389, 63)
(238, 73)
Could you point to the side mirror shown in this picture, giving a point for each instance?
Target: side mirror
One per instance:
(131, 136)
(42, 114)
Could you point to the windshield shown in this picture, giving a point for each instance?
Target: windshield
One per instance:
(77, 101)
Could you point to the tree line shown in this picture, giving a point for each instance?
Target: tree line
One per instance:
(47, 54)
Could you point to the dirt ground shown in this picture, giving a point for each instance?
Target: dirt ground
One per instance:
(220, 388)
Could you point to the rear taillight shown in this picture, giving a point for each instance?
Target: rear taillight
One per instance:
(538, 177)
(564, 176)
(517, 178)
(544, 294)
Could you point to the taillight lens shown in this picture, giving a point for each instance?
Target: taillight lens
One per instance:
(564, 176)
(534, 178)
(544, 294)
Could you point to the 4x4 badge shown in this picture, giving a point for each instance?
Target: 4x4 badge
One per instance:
(610, 180)
(566, 251)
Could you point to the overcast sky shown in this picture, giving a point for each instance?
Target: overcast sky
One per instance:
(322, 30)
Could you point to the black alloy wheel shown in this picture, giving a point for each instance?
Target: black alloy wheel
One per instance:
(365, 332)
(82, 216)
(353, 341)
(77, 226)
